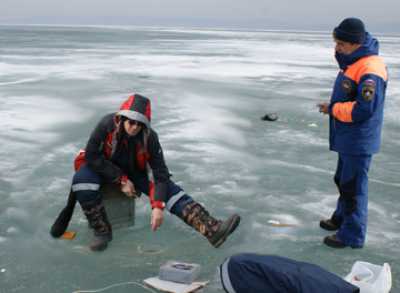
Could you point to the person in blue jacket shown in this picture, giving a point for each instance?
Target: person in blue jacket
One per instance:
(254, 273)
(356, 114)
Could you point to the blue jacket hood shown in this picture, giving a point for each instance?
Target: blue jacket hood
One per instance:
(368, 48)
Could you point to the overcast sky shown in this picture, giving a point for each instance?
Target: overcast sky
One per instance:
(379, 16)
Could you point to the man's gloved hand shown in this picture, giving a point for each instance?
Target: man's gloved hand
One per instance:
(157, 217)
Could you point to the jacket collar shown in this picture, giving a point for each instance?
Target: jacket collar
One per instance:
(368, 48)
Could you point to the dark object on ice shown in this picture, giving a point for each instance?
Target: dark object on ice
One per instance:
(270, 117)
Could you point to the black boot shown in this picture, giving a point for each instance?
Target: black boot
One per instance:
(333, 241)
(329, 224)
(97, 218)
(215, 231)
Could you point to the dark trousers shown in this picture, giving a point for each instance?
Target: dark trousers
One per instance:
(352, 206)
(86, 185)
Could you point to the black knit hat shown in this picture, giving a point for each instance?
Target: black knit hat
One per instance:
(350, 30)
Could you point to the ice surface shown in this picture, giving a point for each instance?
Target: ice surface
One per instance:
(209, 89)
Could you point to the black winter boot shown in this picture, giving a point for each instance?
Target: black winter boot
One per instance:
(215, 231)
(97, 218)
(333, 241)
(329, 224)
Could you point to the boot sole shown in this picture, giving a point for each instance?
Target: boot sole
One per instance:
(232, 227)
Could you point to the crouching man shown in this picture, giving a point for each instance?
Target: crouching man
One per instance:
(124, 150)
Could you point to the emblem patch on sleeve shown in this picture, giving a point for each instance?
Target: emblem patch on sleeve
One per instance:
(368, 90)
(347, 86)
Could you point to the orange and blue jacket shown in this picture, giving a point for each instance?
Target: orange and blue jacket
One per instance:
(356, 106)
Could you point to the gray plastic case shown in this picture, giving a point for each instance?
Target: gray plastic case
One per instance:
(179, 272)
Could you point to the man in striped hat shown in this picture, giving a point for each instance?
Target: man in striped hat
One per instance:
(123, 149)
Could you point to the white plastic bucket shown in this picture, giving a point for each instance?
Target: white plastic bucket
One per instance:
(370, 278)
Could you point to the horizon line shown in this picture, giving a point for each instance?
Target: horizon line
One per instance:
(193, 27)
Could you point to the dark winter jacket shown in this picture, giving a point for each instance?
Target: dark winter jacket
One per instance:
(114, 155)
(253, 273)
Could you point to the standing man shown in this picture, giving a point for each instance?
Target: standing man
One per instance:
(355, 113)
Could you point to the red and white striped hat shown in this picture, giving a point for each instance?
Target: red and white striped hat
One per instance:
(137, 108)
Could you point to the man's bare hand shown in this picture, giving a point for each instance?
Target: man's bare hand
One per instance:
(128, 188)
(323, 108)
(157, 217)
